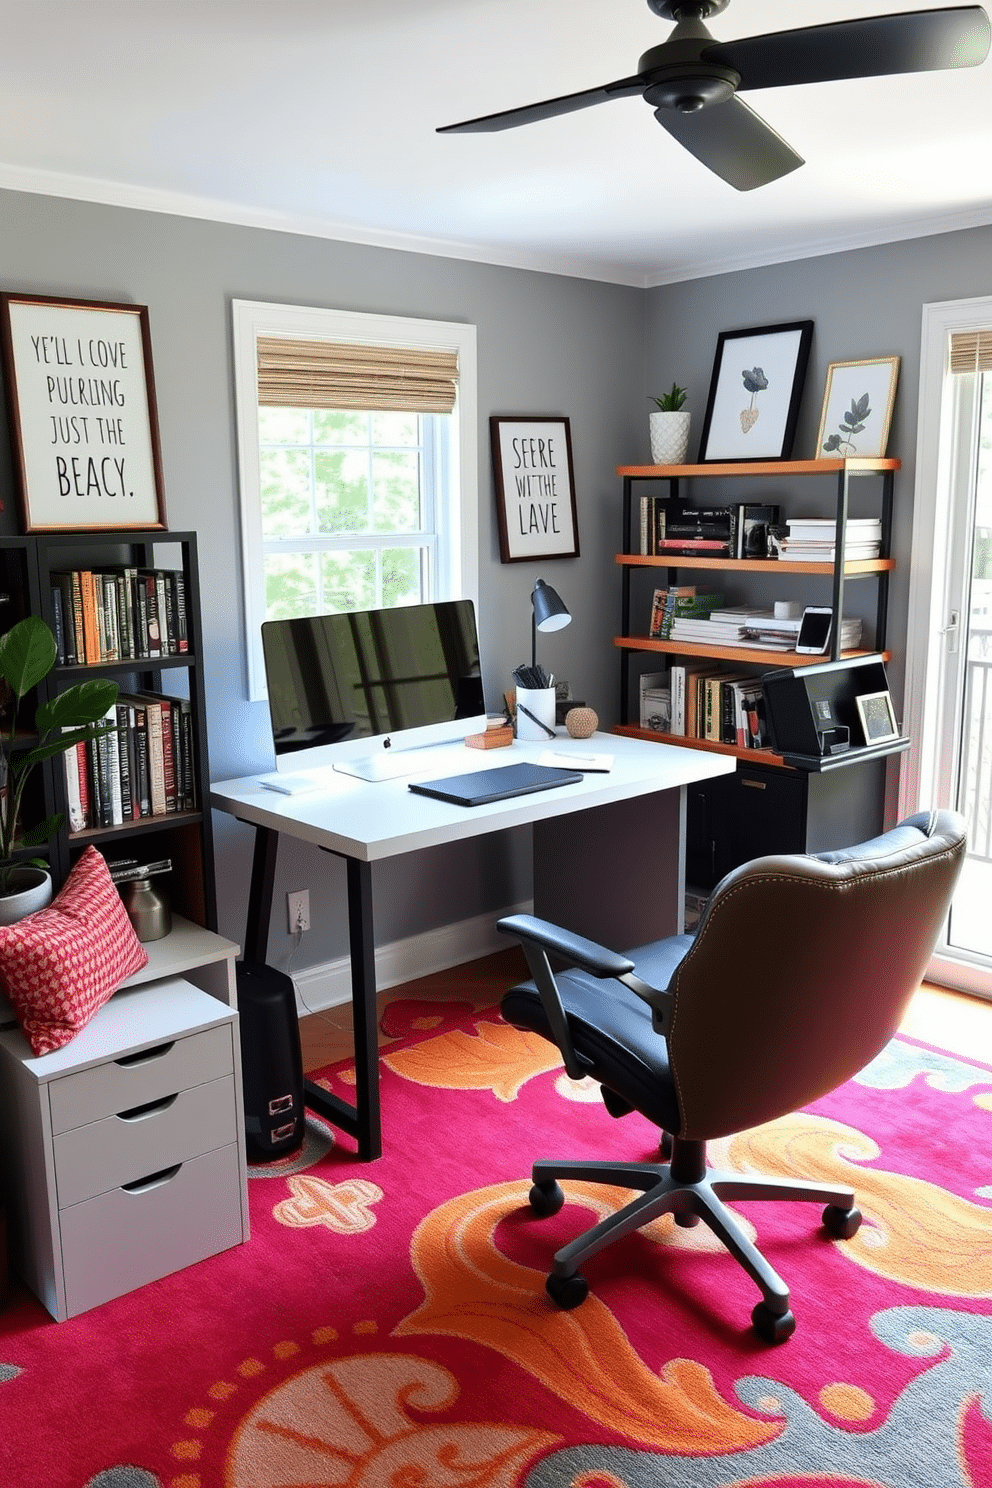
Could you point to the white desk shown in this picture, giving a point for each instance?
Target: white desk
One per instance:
(609, 855)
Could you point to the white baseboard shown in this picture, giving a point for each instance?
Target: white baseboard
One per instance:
(329, 985)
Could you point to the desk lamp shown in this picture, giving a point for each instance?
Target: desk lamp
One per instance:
(550, 613)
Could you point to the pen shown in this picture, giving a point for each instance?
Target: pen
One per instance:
(528, 714)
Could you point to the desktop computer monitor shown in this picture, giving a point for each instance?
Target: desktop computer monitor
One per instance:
(358, 690)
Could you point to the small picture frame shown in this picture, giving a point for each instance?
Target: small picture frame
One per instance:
(857, 409)
(755, 391)
(535, 488)
(878, 719)
(83, 424)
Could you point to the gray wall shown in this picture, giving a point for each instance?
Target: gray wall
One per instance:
(546, 344)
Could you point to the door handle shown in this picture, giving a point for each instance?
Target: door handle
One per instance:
(952, 630)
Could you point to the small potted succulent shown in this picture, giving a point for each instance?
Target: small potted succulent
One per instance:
(27, 655)
(669, 425)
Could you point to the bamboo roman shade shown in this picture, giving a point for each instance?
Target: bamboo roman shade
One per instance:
(971, 351)
(329, 374)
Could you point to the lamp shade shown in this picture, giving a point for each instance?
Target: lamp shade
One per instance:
(550, 611)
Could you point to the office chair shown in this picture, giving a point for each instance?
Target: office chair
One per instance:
(796, 977)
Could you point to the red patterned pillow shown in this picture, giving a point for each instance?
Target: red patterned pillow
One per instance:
(60, 965)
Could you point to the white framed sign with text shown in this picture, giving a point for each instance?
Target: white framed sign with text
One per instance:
(83, 425)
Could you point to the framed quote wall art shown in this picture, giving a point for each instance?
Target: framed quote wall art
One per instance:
(535, 488)
(755, 391)
(83, 425)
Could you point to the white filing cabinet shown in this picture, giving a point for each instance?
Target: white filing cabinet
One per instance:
(124, 1151)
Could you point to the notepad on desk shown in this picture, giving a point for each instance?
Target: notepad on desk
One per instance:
(480, 787)
(588, 763)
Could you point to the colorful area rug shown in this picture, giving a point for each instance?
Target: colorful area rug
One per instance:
(387, 1324)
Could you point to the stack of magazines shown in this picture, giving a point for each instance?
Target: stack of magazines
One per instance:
(814, 539)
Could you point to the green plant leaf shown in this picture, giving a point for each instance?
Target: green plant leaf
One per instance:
(86, 703)
(40, 833)
(27, 654)
(22, 762)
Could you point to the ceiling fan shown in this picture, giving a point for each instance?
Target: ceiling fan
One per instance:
(692, 81)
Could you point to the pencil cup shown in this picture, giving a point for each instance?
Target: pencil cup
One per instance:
(539, 704)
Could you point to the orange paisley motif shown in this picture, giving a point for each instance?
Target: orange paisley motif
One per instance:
(913, 1231)
(473, 1291)
(496, 1057)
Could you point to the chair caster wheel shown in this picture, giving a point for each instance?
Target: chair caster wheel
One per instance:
(666, 1146)
(771, 1326)
(546, 1199)
(686, 1221)
(841, 1222)
(567, 1292)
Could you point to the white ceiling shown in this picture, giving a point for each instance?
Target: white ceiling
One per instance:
(319, 116)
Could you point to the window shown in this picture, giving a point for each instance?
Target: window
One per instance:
(357, 489)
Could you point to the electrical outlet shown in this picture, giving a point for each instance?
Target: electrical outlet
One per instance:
(298, 910)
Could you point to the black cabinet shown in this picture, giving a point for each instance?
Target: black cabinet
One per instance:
(760, 810)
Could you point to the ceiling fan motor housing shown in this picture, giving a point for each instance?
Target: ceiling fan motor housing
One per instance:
(679, 78)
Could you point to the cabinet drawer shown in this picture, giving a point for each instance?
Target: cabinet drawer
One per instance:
(126, 1238)
(135, 1079)
(102, 1155)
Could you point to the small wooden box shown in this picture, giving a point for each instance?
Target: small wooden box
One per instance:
(493, 738)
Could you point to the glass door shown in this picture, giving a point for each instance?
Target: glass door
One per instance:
(964, 754)
(948, 692)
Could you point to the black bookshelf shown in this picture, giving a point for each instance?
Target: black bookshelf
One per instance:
(185, 836)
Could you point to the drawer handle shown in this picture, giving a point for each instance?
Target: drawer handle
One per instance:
(151, 1108)
(154, 1180)
(144, 1055)
(752, 784)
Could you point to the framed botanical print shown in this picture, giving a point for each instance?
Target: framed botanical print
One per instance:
(755, 391)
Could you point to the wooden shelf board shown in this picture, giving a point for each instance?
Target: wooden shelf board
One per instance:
(754, 756)
(761, 468)
(852, 568)
(752, 656)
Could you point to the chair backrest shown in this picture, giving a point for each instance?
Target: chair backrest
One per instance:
(801, 970)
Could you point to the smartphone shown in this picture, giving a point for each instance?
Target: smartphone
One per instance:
(814, 630)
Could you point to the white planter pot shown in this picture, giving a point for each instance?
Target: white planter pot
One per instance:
(31, 890)
(669, 437)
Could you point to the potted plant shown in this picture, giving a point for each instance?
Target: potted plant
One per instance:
(27, 655)
(669, 425)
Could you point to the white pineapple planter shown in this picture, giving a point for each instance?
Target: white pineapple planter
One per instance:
(669, 437)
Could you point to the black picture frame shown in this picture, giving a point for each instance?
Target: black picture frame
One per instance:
(535, 487)
(80, 392)
(760, 360)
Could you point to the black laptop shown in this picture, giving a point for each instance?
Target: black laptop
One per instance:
(481, 786)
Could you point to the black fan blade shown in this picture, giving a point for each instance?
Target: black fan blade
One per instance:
(731, 140)
(549, 109)
(915, 41)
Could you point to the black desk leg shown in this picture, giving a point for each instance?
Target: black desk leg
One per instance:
(263, 875)
(362, 1120)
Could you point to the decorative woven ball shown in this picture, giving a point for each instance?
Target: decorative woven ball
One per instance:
(581, 722)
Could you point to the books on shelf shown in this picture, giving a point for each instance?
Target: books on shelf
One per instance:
(814, 539)
(679, 600)
(143, 767)
(754, 628)
(119, 614)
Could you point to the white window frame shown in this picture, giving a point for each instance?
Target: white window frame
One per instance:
(456, 572)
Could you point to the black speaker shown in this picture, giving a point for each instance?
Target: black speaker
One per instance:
(271, 1061)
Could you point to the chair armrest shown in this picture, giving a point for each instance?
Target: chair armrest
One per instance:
(575, 949)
